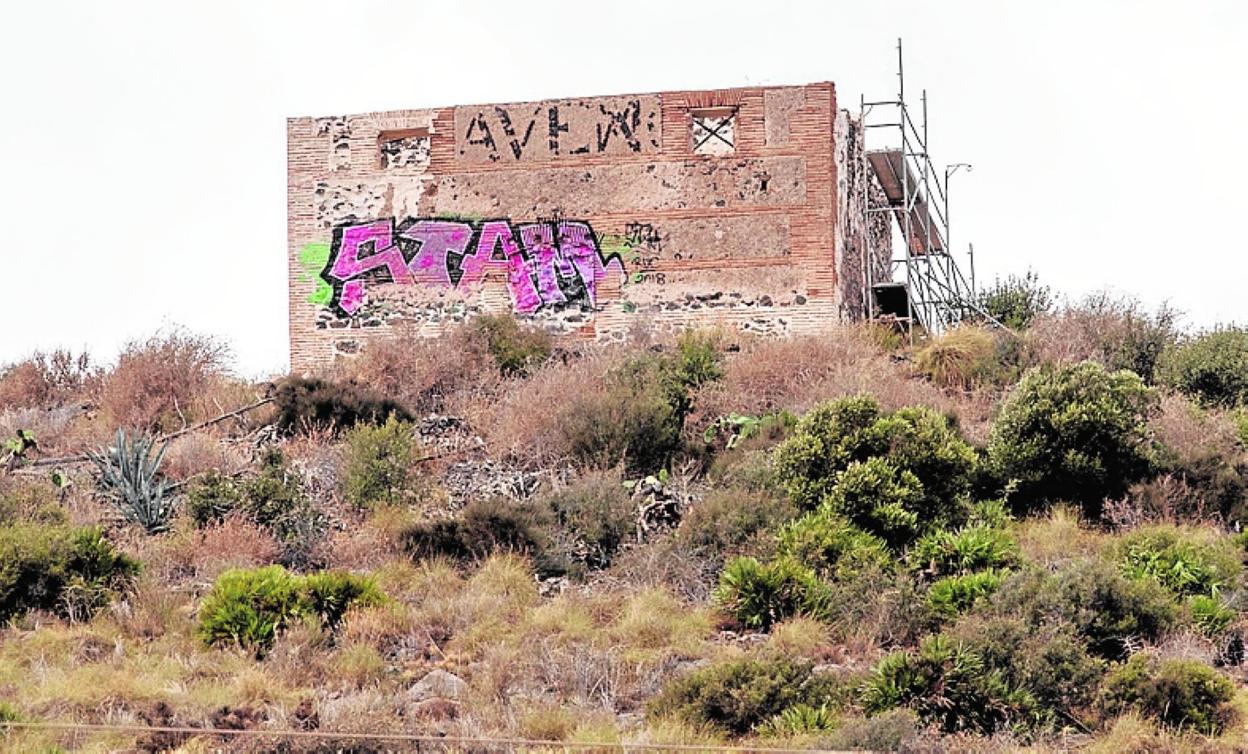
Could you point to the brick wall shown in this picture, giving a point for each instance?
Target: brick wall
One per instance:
(586, 216)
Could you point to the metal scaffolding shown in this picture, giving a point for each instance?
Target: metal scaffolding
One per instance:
(925, 286)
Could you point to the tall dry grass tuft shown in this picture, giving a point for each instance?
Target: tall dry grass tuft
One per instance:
(197, 453)
(200, 555)
(801, 372)
(166, 382)
(960, 358)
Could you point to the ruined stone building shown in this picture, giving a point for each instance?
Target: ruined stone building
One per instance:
(736, 207)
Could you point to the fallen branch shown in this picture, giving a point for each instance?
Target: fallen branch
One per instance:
(70, 460)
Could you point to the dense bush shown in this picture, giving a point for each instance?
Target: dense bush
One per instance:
(916, 441)
(1076, 434)
(486, 526)
(952, 595)
(249, 607)
(46, 379)
(1105, 608)
(379, 463)
(881, 499)
(741, 695)
(1176, 693)
(1016, 301)
(66, 570)
(949, 685)
(516, 350)
(594, 514)
(305, 403)
(1212, 367)
(638, 417)
(1179, 560)
(1050, 662)
(833, 546)
(758, 595)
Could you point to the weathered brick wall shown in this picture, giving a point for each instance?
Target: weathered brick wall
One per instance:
(586, 216)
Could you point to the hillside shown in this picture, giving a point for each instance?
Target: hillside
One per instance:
(984, 541)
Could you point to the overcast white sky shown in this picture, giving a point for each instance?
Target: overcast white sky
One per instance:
(143, 167)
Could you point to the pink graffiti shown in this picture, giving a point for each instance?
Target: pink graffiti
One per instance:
(554, 263)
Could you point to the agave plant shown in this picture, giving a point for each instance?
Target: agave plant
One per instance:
(128, 478)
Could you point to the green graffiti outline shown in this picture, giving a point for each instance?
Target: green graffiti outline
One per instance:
(313, 258)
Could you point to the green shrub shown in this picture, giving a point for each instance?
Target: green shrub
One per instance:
(484, 527)
(946, 684)
(1105, 608)
(271, 496)
(916, 441)
(833, 546)
(953, 595)
(1213, 367)
(306, 403)
(249, 607)
(741, 695)
(759, 595)
(516, 350)
(734, 521)
(379, 463)
(1179, 561)
(880, 498)
(1016, 301)
(212, 497)
(595, 516)
(71, 571)
(973, 548)
(1175, 693)
(800, 720)
(1076, 434)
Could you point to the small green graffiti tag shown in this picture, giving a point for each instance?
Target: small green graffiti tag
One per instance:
(615, 243)
(313, 258)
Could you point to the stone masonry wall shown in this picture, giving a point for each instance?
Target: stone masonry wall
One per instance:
(585, 216)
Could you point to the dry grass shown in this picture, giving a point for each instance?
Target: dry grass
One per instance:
(424, 374)
(523, 426)
(1059, 537)
(799, 373)
(200, 555)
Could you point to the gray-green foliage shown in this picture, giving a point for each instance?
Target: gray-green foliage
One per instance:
(129, 478)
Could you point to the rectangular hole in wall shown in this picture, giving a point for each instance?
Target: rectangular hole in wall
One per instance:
(714, 130)
(405, 148)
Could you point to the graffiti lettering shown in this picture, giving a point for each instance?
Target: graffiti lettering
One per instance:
(618, 126)
(550, 263)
